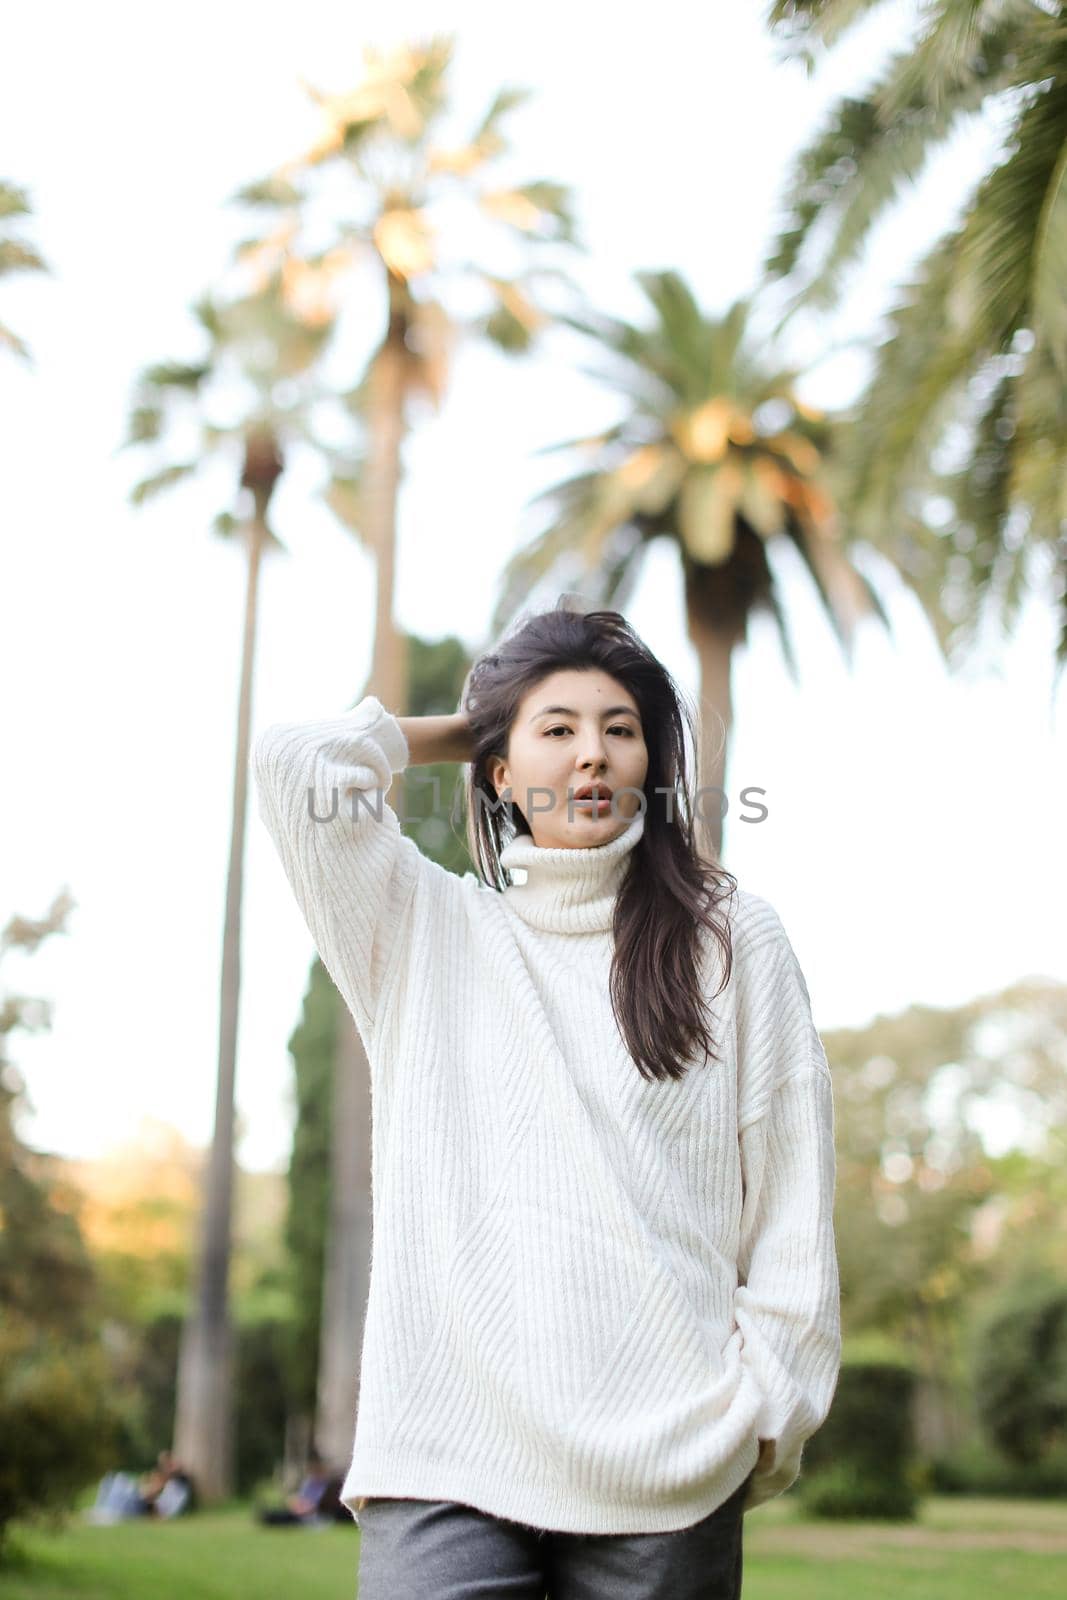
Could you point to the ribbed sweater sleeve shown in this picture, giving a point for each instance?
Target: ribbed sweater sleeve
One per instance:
(321, 793)
(787, 1303)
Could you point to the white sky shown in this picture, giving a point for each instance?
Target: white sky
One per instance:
(913, 846)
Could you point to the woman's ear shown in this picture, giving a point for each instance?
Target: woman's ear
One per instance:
(497, 773)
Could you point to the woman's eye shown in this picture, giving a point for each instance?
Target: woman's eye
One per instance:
(619, 727)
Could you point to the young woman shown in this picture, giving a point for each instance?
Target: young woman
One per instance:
(604, 1305)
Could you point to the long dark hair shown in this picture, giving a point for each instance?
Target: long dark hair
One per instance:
(669, 894)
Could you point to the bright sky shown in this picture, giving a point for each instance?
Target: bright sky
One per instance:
(913, 846)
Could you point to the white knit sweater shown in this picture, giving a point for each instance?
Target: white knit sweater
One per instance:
(590, 1294)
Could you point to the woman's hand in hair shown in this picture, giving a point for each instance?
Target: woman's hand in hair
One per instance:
(441, 738)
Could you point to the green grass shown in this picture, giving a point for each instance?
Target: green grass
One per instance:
(213, 1555)
(958, 1549)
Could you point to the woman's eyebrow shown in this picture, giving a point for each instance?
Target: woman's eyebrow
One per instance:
(569, 711)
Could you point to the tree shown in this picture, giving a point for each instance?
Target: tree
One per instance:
(715, 452)
(57, 1420)
(957, 458)
(16, 255)
(313, 1047)
(259, 377)
(383, 154)
(928, 1222)
(382, 149)
(1020, 1368)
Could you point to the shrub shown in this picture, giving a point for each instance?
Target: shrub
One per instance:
(838, 1490)
(57, 1422)
(862, 1462)
(977, 1468)
(1019, 1368)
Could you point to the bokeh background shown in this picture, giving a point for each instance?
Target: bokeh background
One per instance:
(311, 296)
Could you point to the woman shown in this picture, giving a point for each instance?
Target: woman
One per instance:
(604, 1310)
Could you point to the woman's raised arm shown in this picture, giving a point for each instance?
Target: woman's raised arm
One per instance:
(321, 790)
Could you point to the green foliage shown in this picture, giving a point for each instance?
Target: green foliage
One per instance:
(433, 813)
(141, 1376)
(391, 143)
(46, 1276)
(822, 20)
(909, 1269)
(1020, 1369)
(838, 1491)
(262, 1398)
(312, 1049)
(56, 1420)
(862, 1462)
(264, 347)
(977, 1469)
(954, 463)
(16, 254)
(715, 452)
(58, 1424)
(142, 1373)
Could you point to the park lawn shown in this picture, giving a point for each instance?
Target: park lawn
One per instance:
(958, 1549)
(212, 1555)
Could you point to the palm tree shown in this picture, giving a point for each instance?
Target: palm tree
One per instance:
(385, 141)
(383, 148)
(978, 340)
(258, 377)
(16, 255)
(716, 453)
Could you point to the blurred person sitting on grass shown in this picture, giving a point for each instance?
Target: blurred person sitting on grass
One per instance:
(165, 1491)
(313, 1504)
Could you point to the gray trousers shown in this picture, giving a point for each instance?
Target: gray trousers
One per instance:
(443, 1550)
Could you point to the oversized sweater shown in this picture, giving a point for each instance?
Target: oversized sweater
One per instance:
(591, 1294)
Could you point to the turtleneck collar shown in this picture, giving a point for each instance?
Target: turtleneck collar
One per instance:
(569, 890)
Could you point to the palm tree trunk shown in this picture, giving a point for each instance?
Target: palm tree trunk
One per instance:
(203, 1435)
(381, 492)
(347, 1261)
(713, 636)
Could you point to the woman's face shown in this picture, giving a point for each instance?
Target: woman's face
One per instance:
(572, 729)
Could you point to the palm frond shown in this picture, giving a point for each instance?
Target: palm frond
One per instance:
(919, 365)
(847, 596)
(859, 164)
(544, 208)
(182, 376)
(772, 603)
(506, 100)
(1049, 263)
(1040, 443)
(145, 424)
(997, 240)
(14, 199)
(157, 482)
(981, 489)
(342, 494)
(953, 48)
(18, 256)
(9, 340)
(274, 192)
(823, 20)
(585, 442)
